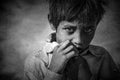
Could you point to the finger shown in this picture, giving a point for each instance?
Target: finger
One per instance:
(55, 49)
(63, 45)
(74, 46)
(67, 49)
(75, 49)
(70, 55)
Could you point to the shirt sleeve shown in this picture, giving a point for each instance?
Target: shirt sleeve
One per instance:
(36, 69)
(33, 68)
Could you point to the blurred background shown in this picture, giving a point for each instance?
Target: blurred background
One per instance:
(24, 24)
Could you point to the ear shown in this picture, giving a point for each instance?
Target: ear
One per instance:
(51, 25)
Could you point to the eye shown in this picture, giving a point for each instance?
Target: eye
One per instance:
(70, 29)
(88, 29)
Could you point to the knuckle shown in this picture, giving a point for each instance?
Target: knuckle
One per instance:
(65, 43)
(63, 52)
(71, 47)
(64, 57)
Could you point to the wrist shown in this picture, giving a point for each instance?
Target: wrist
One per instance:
(50, 75)
(55, 70)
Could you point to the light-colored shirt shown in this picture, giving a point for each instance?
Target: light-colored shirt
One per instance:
(101, 65)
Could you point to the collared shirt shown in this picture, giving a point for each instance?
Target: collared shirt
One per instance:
(101, 65)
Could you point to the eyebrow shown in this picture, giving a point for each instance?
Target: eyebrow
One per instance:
(89, 26)
(70, 25)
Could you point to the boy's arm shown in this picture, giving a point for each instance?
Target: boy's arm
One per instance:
(109, 70)
(32, 69)
(35, 69)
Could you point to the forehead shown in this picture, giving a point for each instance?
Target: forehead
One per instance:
(76, 23)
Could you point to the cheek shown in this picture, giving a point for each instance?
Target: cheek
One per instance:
(87, 39)
(61, 36)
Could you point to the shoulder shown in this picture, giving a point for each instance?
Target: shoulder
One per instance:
(108, 68)
(35, 58)
(34, 67)
(98, 50)
(40, 56)
(36, 64)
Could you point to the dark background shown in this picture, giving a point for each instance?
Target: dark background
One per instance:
(24, 24)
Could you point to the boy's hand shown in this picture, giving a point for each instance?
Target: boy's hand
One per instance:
(61, 55)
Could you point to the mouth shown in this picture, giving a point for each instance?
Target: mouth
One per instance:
(79, 48)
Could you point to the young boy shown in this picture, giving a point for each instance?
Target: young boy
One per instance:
(73, 58)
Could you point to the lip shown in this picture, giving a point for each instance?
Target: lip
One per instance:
(78, 46)
(79, 49)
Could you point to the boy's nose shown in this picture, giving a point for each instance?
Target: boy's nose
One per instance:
(77, 39)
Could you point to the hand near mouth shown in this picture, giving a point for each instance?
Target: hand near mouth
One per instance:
(61, 55)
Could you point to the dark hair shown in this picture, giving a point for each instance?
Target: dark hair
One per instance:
(70, 10)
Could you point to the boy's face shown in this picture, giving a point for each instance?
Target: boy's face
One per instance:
(80, 34)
